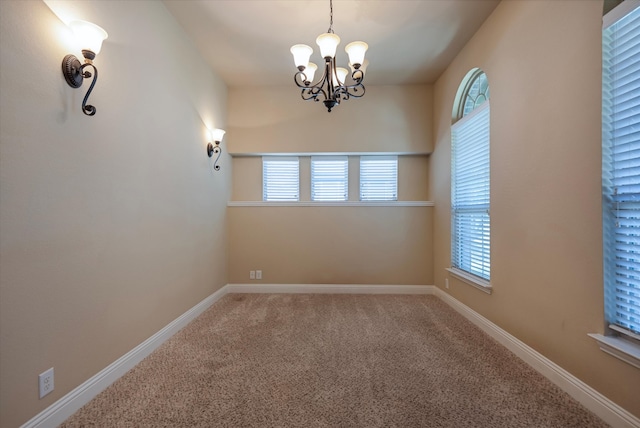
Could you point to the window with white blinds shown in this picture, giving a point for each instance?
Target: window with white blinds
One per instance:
(621, 168)
(280, 178)
(379, 178)
(329, 178)
(470, 224)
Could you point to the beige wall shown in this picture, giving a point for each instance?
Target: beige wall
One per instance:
(394, 119)
(111, 226)
(542, 59)
(331, 245)
(334, 245)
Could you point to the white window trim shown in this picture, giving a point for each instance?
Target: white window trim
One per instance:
(331, 204)
(620, 348)
(477, 282)
(618, 12)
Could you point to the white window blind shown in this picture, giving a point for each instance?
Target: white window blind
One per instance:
(621, 170)
(378, 178)
(280, 178)
(329, 178)
(470, 237)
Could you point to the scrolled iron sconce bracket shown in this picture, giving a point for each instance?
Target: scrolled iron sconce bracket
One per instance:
(211, 149)
(74, 73)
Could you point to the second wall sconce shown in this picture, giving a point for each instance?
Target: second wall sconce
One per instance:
(90, 36)
(216, 135)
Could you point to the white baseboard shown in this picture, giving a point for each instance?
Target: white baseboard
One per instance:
(62, 409)
(606, 409)
(330, 289)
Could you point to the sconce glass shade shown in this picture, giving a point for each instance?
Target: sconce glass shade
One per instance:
(328, 42)
(356, 51)
(217, 134)
(89, 35)
(310, 71)
(301, 54)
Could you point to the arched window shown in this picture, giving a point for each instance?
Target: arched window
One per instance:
(470, 182)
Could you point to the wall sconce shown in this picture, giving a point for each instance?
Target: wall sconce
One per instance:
(216, 136)
(90, 36)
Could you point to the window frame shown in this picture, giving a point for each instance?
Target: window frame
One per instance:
(295, 187)
(321, 190)
(467, 264)
(379, 187)
(620, 201)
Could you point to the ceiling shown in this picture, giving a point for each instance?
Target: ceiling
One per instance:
(247, 42)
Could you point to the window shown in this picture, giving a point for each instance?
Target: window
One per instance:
(378, 178)
(621, 169)
(329, 178)
(470, 183)
(280, 179)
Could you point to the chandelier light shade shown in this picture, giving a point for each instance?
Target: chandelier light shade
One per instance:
(328, 44)
(331, 88)
(356, 51)
(301, 55)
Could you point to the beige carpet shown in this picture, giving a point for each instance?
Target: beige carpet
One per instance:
(293, 360)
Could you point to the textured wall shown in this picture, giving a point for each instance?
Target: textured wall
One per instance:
(110, 226)
(543, 61)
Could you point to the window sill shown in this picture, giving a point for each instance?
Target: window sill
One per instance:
(331, 204)
(472, 280)
(620, 348)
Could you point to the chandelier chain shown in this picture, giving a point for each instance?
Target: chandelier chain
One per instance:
(330, 30)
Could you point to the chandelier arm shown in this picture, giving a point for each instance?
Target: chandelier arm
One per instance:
(355, 91)
(300, 79)
(312, 93)
(341, 93)
(333, 74)
(357, 76)
(315, 91)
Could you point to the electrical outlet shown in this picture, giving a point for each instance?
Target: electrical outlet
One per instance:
(252, 274)
(446, 283)
(45, 380)
(258, 274)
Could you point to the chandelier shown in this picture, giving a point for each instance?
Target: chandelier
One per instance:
(331, 88)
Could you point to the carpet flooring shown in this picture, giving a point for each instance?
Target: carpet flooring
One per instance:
(302, 360)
